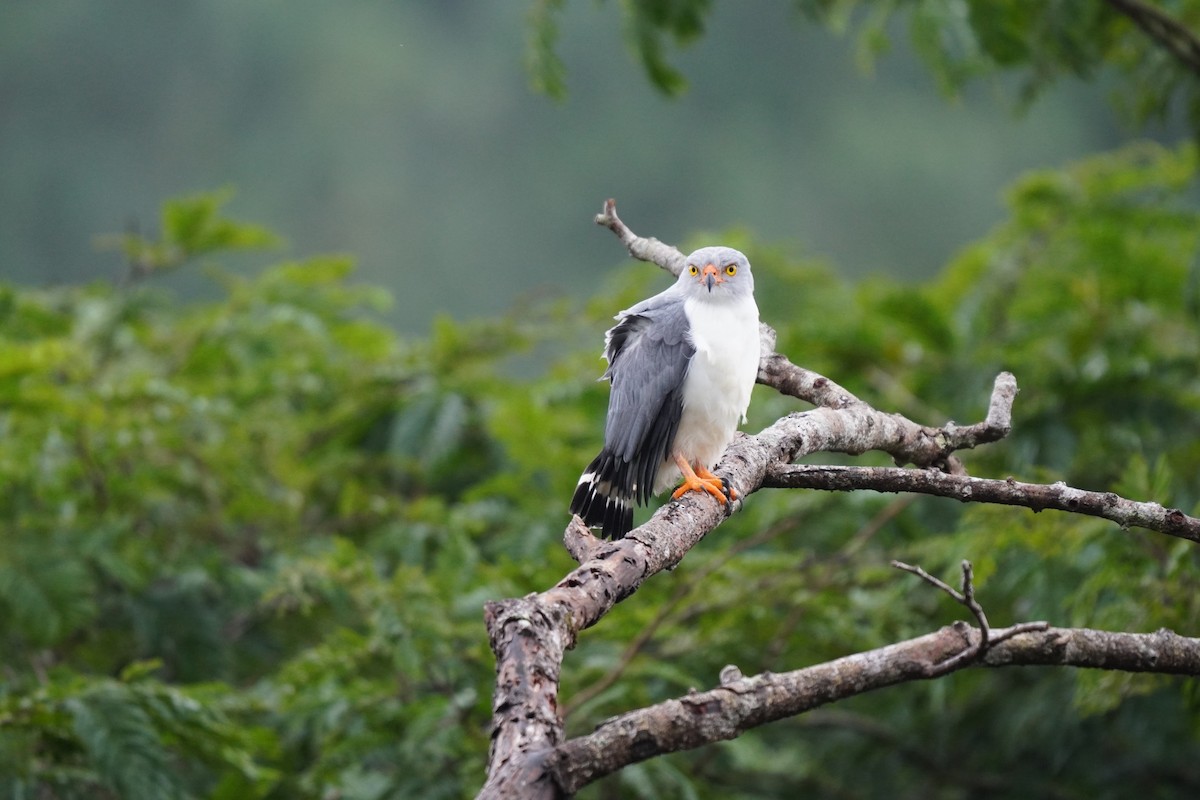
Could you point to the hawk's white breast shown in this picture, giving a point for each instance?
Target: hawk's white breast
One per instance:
(720, 377)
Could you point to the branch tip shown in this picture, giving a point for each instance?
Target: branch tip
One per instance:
(579, 540)
(641, 248)
(729, 674)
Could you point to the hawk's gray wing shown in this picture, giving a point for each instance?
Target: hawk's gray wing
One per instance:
(648, 352)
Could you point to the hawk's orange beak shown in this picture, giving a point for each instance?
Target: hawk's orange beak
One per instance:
(710, 277)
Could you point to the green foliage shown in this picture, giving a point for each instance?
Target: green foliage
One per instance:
(247, 541)
(132, 737)
(191, 227)
(959, 40)
(295, 513)
(648, 25)
(545, 68)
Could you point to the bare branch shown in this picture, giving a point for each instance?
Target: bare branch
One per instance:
(998, 423)
(738, 705)
(776, 371)
(1170, 33)
(682, 591)
(643, 249)
(529, 636)
(1037, 496)
(911, 443)
(938, 583)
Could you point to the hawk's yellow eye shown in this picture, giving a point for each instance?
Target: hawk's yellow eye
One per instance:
(693, 270)
(731, 269)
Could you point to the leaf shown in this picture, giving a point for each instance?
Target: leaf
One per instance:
(195, 226)
(122, 744)
(546, 69)
(45, 599)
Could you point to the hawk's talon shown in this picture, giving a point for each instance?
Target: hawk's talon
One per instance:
(726, 487)
(730, 492)
(701, 480)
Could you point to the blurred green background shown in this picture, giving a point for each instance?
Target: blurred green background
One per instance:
(406, 134)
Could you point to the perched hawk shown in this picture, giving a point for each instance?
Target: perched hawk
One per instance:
(681, 365)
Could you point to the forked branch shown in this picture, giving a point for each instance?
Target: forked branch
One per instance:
(966, 597)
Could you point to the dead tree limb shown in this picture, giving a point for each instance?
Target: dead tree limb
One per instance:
(642, 248)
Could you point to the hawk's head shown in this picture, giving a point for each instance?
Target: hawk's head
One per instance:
(716, 273)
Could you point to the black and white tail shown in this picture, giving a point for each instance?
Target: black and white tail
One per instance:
(601, 501)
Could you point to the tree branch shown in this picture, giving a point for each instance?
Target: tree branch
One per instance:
(682, 591)
(1057, 496)
(743, 703)
(529, 635)
(1170, 33)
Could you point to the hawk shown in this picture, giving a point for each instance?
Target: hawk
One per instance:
(681, 366)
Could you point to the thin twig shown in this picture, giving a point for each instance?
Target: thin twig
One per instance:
(965, 597)
(1170, 33)
(975, 650)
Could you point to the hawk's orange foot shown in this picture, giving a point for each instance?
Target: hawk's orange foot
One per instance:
(695, 483)
(701, 480)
